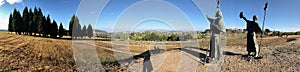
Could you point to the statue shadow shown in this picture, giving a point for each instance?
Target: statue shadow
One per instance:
(203, 49)
(203, 56)
(243, 56)
(234, 54)
(146, 63)
(195, 53)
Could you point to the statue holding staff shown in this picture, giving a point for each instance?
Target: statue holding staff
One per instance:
(217, 28)
(252, 28)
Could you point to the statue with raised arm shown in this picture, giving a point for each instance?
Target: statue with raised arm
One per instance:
(252, 28)
(218, 4)
(217, 28)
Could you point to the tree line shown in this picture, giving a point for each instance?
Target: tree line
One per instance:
(75, 30)
(34, 23)
(156, 36)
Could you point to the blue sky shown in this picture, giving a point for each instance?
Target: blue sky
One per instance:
(282, 15)
(59, 10)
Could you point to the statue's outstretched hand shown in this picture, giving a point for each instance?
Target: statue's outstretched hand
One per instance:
(241, 15)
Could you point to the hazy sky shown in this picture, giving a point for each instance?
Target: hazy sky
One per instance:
(281, 15)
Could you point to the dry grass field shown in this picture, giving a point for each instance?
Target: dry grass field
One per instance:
(29, 53)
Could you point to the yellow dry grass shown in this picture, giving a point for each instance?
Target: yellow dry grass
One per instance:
(30, 53)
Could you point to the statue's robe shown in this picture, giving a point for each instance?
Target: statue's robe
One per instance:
(252, 28)
(216, 27)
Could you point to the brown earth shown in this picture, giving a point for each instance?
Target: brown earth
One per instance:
(29, 53)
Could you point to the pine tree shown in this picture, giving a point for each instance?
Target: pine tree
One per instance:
(61, 30)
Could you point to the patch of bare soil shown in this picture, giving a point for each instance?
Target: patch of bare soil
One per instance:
(279, 54)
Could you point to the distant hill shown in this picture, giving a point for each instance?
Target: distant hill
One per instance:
(3, 30)
(100, 31)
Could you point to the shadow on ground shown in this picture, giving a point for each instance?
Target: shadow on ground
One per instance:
(190, 50)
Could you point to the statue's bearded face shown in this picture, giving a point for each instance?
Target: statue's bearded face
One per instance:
(255, 18)
(219, 14)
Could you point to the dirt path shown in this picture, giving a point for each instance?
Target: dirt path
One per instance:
(284, 57)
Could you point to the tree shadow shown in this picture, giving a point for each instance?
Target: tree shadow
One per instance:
(81, 39)
(63, 38)
(49, 37)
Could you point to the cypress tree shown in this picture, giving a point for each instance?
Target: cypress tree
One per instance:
(30, 22)
(10, 25)
(54, 29)
(25, 22)
(48, 26)
(40, 22)
(44, 26)
(71, 25)
(83, 31)
(90, 31)
(76, 28)
(16, 21)
(61, 30)
(35, 21)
